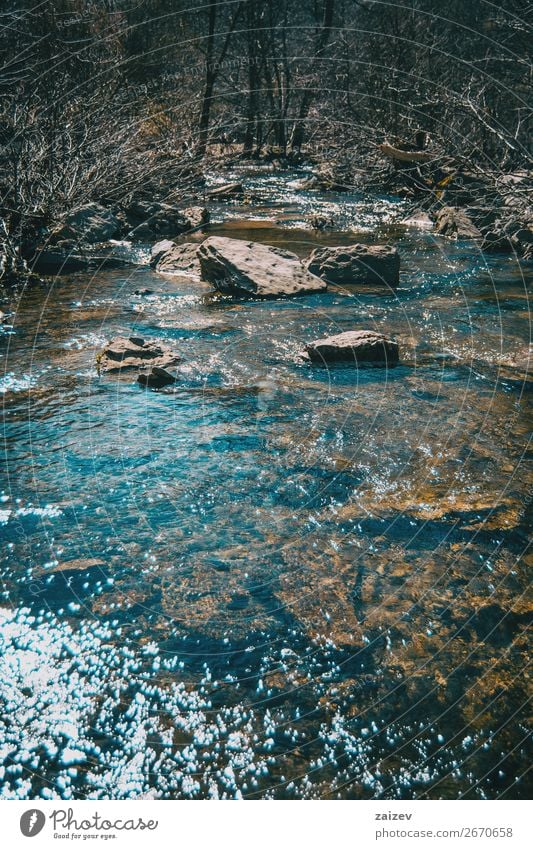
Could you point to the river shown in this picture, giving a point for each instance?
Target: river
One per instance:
(275, 580)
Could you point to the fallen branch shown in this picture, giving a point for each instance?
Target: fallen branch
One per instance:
(406, 155)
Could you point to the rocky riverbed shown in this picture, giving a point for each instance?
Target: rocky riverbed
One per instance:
(274, 575)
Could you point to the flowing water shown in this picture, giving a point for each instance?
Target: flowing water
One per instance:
(274, 580)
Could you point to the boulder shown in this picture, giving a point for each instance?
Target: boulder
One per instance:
(359, 346)
(419, 220)
(452, 221)
(159, 249)
(150, 220)
(135, 353)
(356, 264)
(90, 223)
(169, 258)
(156, 378)
(252, 270)
(226, 192)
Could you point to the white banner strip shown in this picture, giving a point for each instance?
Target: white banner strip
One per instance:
(264, 825)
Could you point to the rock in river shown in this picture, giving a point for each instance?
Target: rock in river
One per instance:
(169, 258)
(156, 378)
(90, 223)
(418, 220)
(356, 264)
(150, 220)
(253, 270)
(360, 346)
(135, 353)
(452, 221)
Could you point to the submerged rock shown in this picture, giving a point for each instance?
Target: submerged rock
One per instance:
(360, 346)
(356, 264)
(254, 270)
(135, 353)
(454, 222)
(156, 378)
(169, 258)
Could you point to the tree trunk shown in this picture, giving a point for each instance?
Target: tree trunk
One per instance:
(323, 37)
(210, 77)
(253, 78)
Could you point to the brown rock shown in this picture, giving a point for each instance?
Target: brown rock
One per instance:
(356, 264)
(135, 353)
(169, 258)
(454, 222)
(360, 346)
(418, 220)
(253, 270)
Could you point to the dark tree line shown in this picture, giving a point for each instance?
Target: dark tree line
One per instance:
(105, 98)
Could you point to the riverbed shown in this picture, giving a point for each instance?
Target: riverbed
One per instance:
(273, 580)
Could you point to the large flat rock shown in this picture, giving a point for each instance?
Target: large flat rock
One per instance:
(252, 270)
(134, 352)
(359, 346)
(356, 264)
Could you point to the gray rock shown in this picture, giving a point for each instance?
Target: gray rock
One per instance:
(452, 221)
(419, 220)
(90, 223)
(135, 352)
(253, 270)
(156, 378)
(159, 249)
(142, 233)
(176, 259)
(356, 264)
(359, 346)
(148, 221)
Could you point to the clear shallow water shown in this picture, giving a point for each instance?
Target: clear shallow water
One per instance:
(274, 580)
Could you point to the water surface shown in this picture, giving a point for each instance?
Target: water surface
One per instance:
(275, 580)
